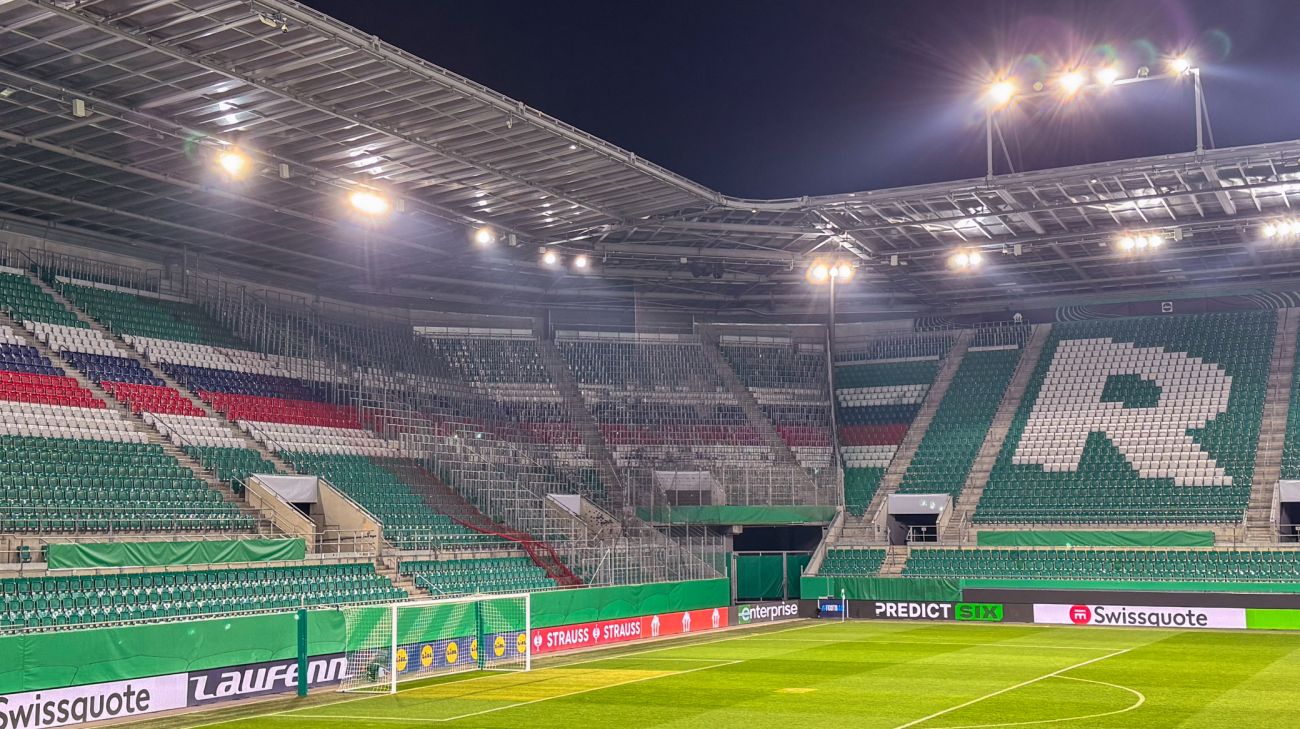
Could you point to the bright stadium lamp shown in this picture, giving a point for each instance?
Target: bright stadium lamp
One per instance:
(485, 236)
(1108, 75)
(234, 163)
(550, 258)
(842, 272)
(1180, 65)
(581, 262)
(1002, 92)
(369, 202)
(1070, 82)
(818, 273)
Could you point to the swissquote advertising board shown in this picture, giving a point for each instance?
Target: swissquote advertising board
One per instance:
(1129, 616)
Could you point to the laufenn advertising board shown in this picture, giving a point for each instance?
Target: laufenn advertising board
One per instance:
(1130, 616)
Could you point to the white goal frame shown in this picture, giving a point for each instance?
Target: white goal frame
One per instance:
(394, 645)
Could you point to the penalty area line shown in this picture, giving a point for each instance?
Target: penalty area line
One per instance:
(670, 644)
(517, 704)
(1001, 691)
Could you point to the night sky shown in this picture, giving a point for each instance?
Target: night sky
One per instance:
(766, 98)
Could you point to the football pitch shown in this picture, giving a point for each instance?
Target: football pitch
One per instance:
(859, 675)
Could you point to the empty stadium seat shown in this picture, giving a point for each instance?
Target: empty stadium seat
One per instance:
(1107, 564)
(32, 602)
(1060, 461)
(472, 576)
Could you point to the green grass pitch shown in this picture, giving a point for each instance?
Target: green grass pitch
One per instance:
(856, 675)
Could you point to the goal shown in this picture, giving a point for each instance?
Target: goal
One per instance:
(408, 641)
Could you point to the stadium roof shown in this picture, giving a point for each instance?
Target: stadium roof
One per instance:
(168, 83)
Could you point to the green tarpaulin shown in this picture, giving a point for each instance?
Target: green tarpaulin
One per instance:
(1078, 538)
(759, 576)
(743, 515)
(37, 661)
(564, 607)
(882, 588)
(155, 554)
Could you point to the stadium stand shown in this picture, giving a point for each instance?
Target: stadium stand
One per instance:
(1262, 565)
(408, 520)
(877, 403)
(138, 314)
(463, 576)
(945, 454)
(1144, 420)
(659, 401)
(33, 602)
(789, 382)
(852, 561)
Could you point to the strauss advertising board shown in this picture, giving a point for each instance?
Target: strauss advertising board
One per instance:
(607, 632)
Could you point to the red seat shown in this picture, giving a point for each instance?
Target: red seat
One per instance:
(47, 390)
(279, 410)
(152, 399)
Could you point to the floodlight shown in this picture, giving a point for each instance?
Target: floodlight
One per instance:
(842, 273)
(369, 202)
(1270, 230)
(485, 236)
(1180, 65)
(975, 258)
(960, 260)
(581, 262)
(550, 258)
(233, 162)
(1002, 92)
(1107, 75)
(819, 272)
(1071, 82)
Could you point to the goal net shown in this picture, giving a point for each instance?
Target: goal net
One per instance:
(408, 641)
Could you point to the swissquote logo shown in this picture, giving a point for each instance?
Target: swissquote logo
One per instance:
(1131, 616)
(1070, 407)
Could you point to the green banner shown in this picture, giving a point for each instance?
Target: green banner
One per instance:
(1266, 619)
(759, 576)
(38, 661)
(919, 589)
(589, 604)
(743, 515)
(1084, 538)
(153, 554)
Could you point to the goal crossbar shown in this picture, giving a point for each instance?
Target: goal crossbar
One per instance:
(414, 639)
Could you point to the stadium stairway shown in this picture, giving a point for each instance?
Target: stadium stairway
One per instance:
(592, 437)
(960, 518)
(902, 459)
(129, 352)
(443, 499)
(757, 418)
(1260, 510)
(185, 459)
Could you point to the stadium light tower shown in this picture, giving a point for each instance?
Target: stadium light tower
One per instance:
(1074, 82)
(831, 273)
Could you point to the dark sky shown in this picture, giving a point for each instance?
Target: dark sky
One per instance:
(761, 98)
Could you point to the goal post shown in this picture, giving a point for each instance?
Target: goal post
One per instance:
(408, 641)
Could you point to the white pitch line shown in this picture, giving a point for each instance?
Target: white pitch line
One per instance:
(1141, 699)
(670, 644)
(999, 692)
(425, 720)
